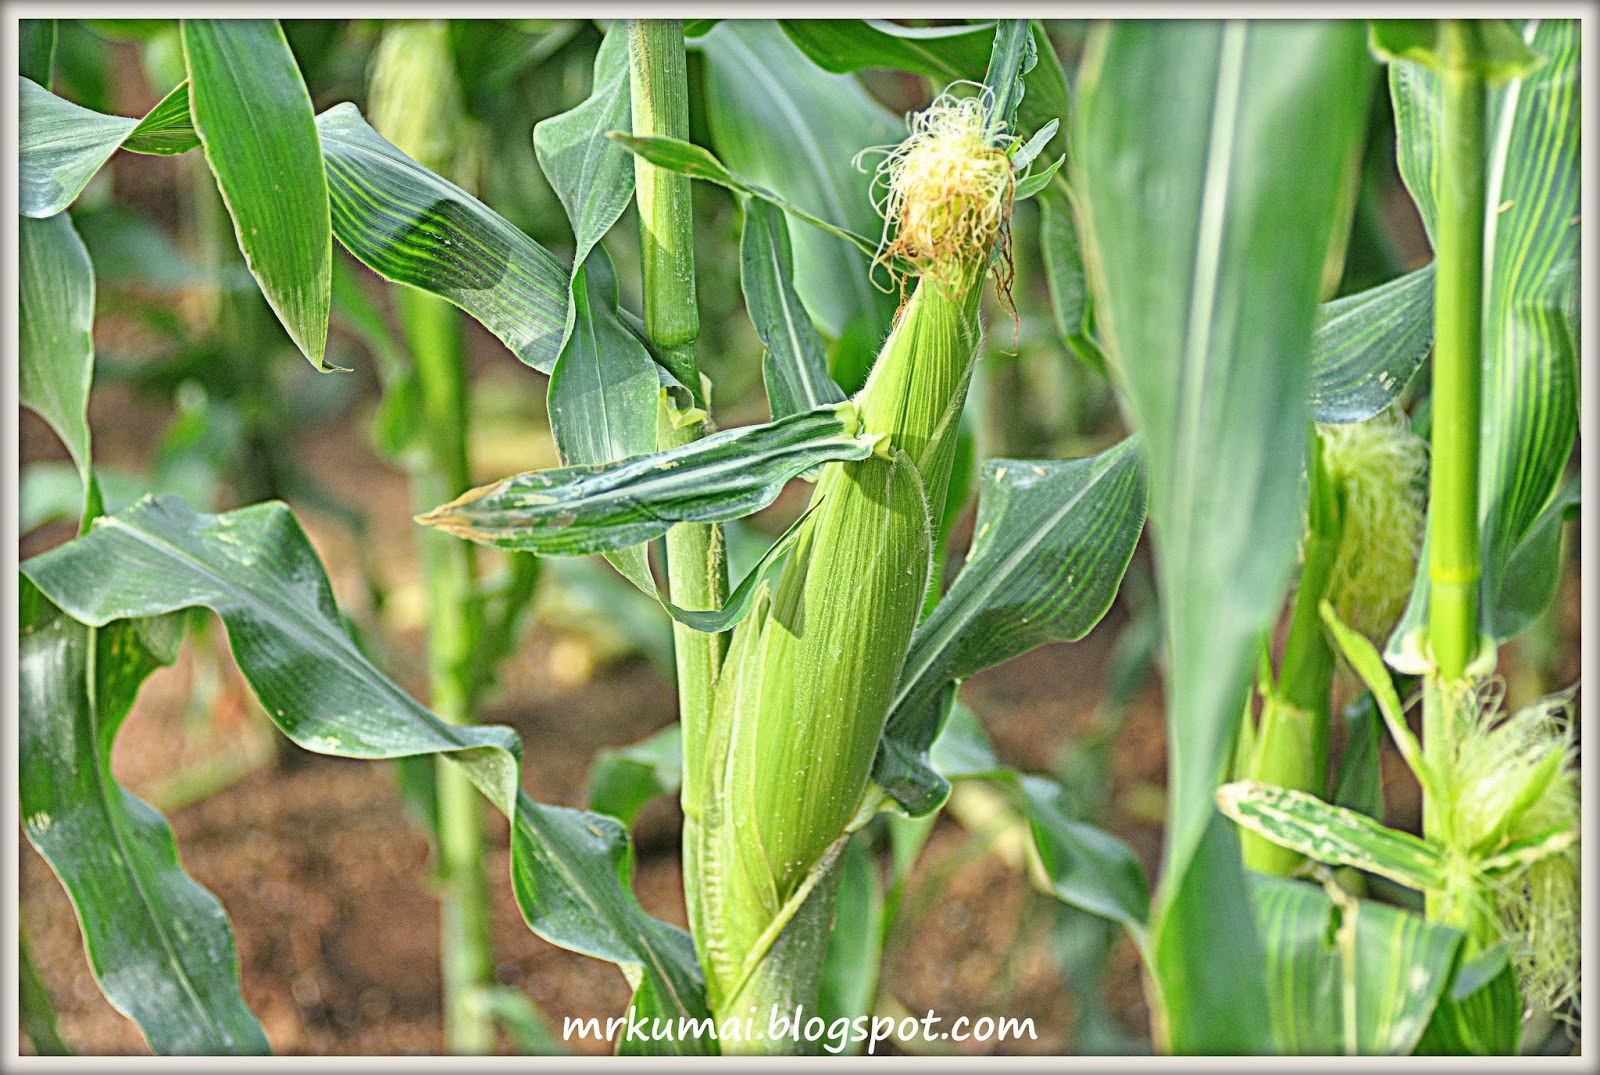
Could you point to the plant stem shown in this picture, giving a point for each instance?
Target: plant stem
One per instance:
(1454, 565)
(433, 333)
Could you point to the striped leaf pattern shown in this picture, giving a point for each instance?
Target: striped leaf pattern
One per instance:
(573, 511)
(1531, 241)
(1052, 540)
(1348, 977)
(1367, 347)
(1331, 834)
(411, 226)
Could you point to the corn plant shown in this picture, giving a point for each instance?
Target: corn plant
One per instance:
(1194, 214)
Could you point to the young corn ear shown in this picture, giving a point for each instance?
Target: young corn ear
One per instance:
(803, 695)
(415, 101)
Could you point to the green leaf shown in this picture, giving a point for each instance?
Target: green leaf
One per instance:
(591, 175)
(1064, 275)
(1332, 834)
(253, 115)
(1528, 583)
(1348, 977)
(623, 779)
(576, 510)
(842, 46)
(62, 145)
(1482, 1014)
(55, 345)
(1032, 184)
(167, 129)
(1531, 237)
(411, 226)
(1364, 660)
(1050, 545)
(697, 162)
(1088, 867)
(1207, 162)
(36, 49)
(795, 367)
(1368, 346)
(854, 955)
(256, 570)
(1014, 54)
(1504, 53)
(1359, 784)
(963, 750)
(782, 123)
(158, 943)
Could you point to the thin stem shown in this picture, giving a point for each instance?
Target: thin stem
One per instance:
(1454, 565)
(697, 572)
(433, 333)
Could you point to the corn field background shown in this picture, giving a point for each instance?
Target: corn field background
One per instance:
(527, 520)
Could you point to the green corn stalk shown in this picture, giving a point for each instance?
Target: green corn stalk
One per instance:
(783, 773)
(416, 104)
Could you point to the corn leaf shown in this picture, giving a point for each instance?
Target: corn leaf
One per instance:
(1528, 583)
(36, 49)
(843, 46)
(55, 345)
(1348, 978)
(623, 779)
(256, 570)
(1531, 243)
(253, 115)
(158, 943)
(592, 176)
(167, 129)
(1368, 346)
(854, 955)
(1088, 867)
(1331, 834)
(573, 511)
(795, 366)
(782, 123)
(697, 162)
(1206, 164)
(1051, 542)
(411, 226)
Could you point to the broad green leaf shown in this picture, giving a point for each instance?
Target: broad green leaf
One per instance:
(592, 175)
(411, 226)
(783, 123)
(256, 570)
(1484, 1022)
(158, 943)
(1348, 978)
(253, 115)
(1088, 867)
(62, 145)
(843, 46)
(1064, 275)
(963, 750)
(55, 314)
(1051, 542)
(51, 489)
(623, 779)
(576, 510)
(36, 49)
(1207, 163)
(1331, 834)
(795, 367)
(1368, 346)
(1531, 238)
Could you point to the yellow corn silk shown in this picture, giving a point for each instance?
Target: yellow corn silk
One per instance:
(1377, 466)
(1509, 815)
(804, 692)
